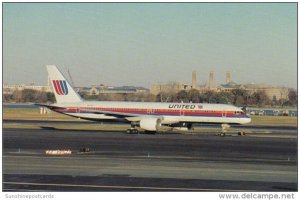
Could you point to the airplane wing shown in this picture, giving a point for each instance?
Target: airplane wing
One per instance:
(128, 116)
(110, 113)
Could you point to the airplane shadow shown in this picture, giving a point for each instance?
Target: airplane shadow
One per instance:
(79, 130)
(105, 131)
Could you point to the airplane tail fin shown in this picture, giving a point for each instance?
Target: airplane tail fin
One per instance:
(62, 90)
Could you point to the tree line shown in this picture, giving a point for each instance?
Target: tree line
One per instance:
(29, 95)
(236, 97)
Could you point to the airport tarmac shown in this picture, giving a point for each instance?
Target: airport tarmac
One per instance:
(83, 122)
(144, 162)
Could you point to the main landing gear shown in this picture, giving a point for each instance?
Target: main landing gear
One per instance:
(132, 130)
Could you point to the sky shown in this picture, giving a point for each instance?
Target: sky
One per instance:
(145, 43)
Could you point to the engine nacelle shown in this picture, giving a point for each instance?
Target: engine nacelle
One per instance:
(150, 124)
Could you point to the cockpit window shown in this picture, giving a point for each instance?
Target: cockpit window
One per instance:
(238, 112)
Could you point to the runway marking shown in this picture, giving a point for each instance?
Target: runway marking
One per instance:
(118, 187)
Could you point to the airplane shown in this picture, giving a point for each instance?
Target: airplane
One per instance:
(149, 116)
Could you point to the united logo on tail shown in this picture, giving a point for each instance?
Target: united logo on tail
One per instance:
(60, 87)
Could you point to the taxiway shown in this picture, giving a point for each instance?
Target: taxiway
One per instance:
(142, 162)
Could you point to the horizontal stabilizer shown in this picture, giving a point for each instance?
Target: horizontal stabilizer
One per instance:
(48, 106)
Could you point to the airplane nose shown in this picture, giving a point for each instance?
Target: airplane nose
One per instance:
(247, 120)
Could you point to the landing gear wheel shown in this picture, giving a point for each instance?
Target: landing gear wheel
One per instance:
(135, 131)
(241, 133)
(132, 131)
(222, 134)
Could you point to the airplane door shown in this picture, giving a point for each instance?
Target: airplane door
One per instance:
(224, 113)
(181, 112)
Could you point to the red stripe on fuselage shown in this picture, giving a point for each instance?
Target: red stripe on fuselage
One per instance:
(160, 111)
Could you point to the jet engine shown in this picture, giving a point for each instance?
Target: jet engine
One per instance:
(150, 124)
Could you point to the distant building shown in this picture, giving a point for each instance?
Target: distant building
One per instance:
(228, 77)
(194, 80)
(102, 89)
(9, 89)
(177, 86)
(171, 87)
(230, 86)
(211, 80)
(271, 91)
(93, 90)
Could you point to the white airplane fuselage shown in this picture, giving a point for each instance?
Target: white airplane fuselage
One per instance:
(167, 112)
(147, 115)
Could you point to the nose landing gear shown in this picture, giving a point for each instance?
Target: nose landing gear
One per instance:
(224, 129)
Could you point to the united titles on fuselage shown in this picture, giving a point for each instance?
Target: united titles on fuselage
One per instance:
(184, 106)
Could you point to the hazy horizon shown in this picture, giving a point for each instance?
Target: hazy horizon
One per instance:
(141, 44)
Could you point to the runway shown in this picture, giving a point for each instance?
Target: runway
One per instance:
(82, 122)
(142, 162)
